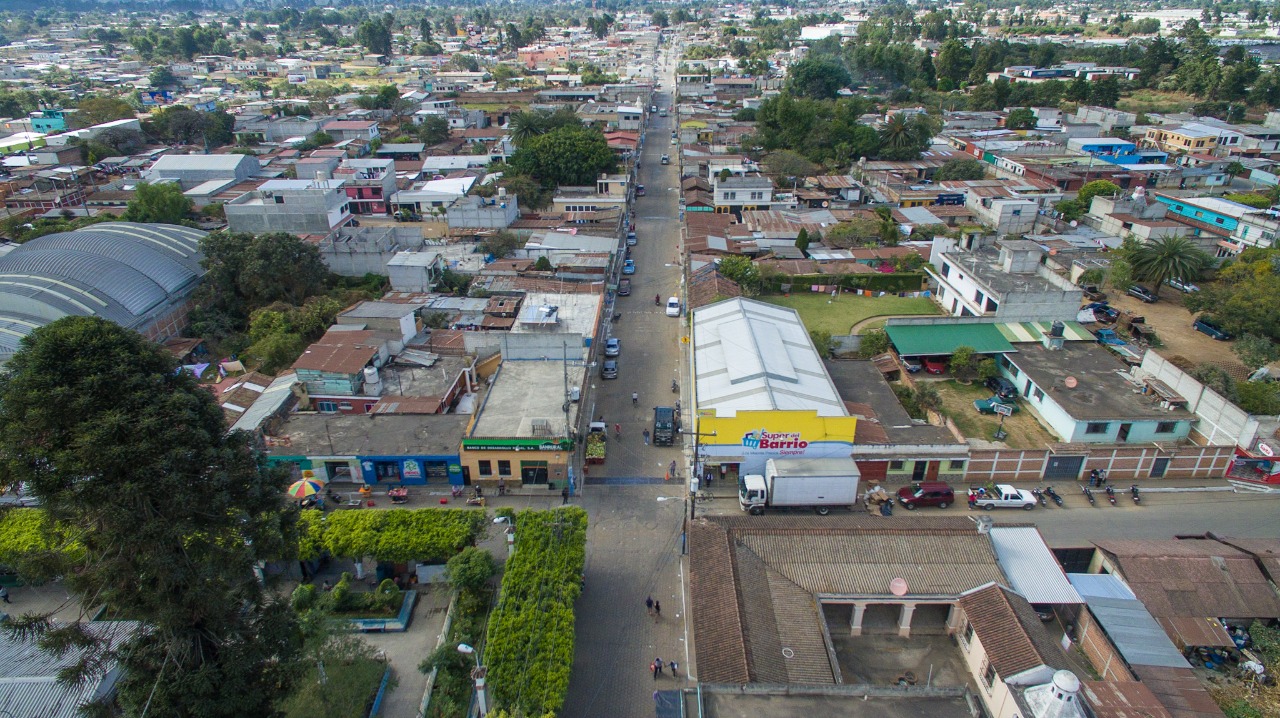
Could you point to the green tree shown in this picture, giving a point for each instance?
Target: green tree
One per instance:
(543, 264)
(161, 77)
(789, 164)
(740, 269)
(501, 244)
(1105, 188)
(1105, 91)
(1235, 169)
(565, 156)
(433, 130)
(1071, 209)
(802, 240)
(1158, 260)
(374, 36)
(1255, 351)
(659, 18)
(158, 203)
(1021, 119)
(903, 138)
(962, 359)
(471, 569)
(960, 169)
(525, 125)
(172, 514)
(817, 78)
(531, 194)
(1120, 274)
(97, 110)
(874, 343)
(954, 61)
(822, 342)
(890, 232)
(246, 272)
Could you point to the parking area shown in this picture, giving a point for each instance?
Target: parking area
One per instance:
(1172, 323)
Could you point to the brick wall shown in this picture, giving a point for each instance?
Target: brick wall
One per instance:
(1122, 463)
(1098, 648)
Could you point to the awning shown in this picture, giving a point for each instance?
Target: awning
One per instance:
(1189, 631)
(941, 339)
(1037, 331)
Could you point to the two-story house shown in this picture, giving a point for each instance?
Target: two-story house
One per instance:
(1236, 226)
(1006, 280)
(335, 364)
(301, 207)
(369, 184)
(735, 194)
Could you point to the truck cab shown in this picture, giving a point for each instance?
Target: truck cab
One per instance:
(753, 493)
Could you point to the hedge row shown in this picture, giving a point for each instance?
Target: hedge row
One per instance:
(893, 283)
(25, 535)
(529, 647)
(429, 535)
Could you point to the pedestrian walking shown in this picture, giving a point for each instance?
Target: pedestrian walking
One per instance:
(502, 486)
(674, 667)
(564, 496)
(645, 434)
(648, 605)
(4, 594)
(657, 668)
(672, 469)
(657, 609)
(617, 430)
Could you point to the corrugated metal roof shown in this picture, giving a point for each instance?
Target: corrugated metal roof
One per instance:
(942, 339)
(29, 684)
(1135, 633)
(1030, 565)
(201, 162)
(1100, 585)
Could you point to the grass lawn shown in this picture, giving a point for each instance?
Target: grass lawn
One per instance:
(957, 404)
(1155, 101)
(820, 313)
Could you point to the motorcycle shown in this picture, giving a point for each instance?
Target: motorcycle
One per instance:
(1111, 495)
(1053, 495)
(1133, 490)
(1089, 495)
(617, 316)
(657, 300)
(675, 388)
(1040, 497)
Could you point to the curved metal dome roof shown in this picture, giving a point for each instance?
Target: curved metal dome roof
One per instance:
(120, 271)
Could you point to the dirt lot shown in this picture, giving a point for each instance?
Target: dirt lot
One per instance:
(1172, 323)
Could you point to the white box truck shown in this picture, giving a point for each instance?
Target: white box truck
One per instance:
(800, 483)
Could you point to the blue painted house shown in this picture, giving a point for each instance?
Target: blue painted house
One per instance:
(50, 121)
(378, 450)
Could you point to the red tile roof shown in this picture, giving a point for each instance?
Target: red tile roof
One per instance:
(1010, 631)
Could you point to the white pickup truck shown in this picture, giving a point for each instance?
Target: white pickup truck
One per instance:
(1003, 497)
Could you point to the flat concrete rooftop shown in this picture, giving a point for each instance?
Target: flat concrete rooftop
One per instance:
(404, 378)
(1100, 393)
(371, 434)
(524, 395)
(984, 265)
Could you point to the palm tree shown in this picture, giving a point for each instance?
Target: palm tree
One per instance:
(524, 125)
(897, 133)
(1168, 257)
(890, 234)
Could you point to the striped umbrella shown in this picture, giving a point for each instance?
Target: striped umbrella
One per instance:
(304, 488)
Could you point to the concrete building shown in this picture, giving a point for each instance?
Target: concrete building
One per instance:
(301, 207)
(735, 194)
(521, 434)
(1134, 215)
(1232, 225)
(1006, 281)
(384, 450)
(1004, 215)
(472, 212)
(369, 184)
(357, 251)
(418, 271)
(343, 130)
(192, 170)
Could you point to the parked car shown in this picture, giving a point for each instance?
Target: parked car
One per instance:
(631, 239)
(609, 369)
(673, 306)
(988, 406)
(912, 365)
(1092, 293)
(624, 287)
(629, 267)
(1140, 292)
(928, 493)
(612, 347)
(639, 187)
(1002, 387)
(1206, 325)
(1183, 286)
(666, 159)
(935, 365)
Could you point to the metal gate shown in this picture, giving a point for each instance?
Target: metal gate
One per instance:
(1063, 467)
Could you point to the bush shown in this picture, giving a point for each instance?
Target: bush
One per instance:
(823, 342)
(427, 535)
(304, 597)
(471, 569)
(874, 343)
(530, 636)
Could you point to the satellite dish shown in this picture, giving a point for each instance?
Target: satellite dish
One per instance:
(1071, 382)
(898, 587)
(1075, 223)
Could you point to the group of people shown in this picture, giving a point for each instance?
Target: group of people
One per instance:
(1097, 479)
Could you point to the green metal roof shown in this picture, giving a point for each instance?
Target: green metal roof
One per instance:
(914, 340)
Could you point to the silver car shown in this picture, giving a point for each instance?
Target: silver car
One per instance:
(612, 347)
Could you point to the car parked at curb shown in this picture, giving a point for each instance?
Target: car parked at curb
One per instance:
(624, 287)
(609, 369)
(1207, 326)
(612, 347)
(927, 493)
(629, 267)
(1138, 291)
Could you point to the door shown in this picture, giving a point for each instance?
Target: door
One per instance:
(1159, 466)
(533, 472)
(466, 475)
(931, 473)
(1123, 434)
(917, 470)
(1063, 467)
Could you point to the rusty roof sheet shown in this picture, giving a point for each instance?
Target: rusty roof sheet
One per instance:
(1179, 691)
(1194, 577)
(1122, 699)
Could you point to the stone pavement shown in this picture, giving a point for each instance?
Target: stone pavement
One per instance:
(406, 650)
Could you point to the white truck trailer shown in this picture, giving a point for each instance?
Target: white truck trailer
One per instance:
(800, 483)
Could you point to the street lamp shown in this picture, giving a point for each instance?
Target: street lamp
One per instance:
(478, 673)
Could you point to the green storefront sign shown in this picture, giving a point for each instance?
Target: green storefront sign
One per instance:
(517, 445)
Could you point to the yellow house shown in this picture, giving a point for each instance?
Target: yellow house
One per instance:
(1186, 139)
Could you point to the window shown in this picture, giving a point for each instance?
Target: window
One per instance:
(978, 296)
(968, 633)
(992, 305)
(504, 467)
(1166, 427)
(1096, 427)
(957, 465)
(1219, 220)
(1039, 395)
(279, 199)
(486, 467)
(757, 195)
(896, 465)
(327, 407)
(730, 195)
(989, 675)
(946, 269)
